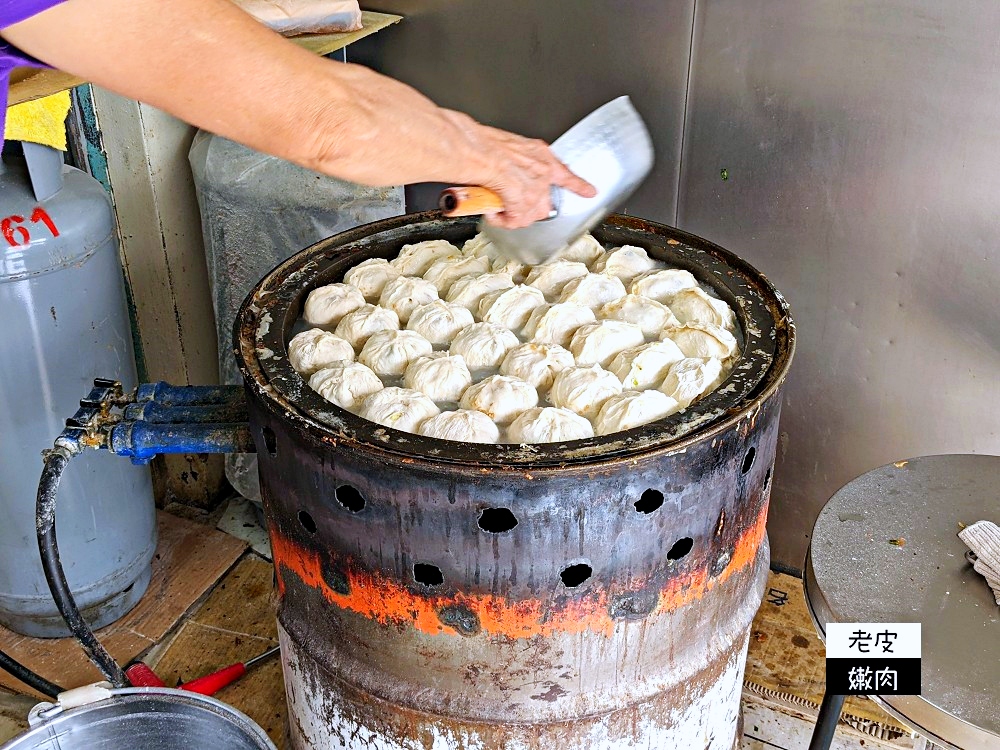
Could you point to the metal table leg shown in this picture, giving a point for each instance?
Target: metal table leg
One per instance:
(826, 721)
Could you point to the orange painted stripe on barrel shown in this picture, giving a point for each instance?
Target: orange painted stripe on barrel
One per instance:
(376, 597)
(680, 592)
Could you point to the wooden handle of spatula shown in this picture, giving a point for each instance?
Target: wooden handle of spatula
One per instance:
(470, 201)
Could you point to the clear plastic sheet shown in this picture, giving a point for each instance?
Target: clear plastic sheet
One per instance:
(256, 211)
(291, 17)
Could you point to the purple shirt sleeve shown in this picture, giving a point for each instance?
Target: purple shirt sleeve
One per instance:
(15, 11)
(11, 12)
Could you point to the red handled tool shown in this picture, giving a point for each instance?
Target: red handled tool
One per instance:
(140, 675)
(210, 684)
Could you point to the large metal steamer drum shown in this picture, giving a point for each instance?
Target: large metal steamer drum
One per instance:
(592, 594)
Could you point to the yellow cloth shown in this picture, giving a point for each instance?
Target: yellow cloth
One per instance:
(39, 121)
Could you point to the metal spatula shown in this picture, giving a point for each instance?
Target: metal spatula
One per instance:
(610, 148)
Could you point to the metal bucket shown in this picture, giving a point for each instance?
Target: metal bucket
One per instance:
(141, 719)
(594, 595)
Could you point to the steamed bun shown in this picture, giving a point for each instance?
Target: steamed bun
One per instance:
(584, 389)
(406, 294)
(439, 322)
(584, 250)
(651, 316)
(538, 364)
(469, 291)
(371, 276)
(399, 408)
(550, 278)
(442, 377)
(695, 306)
(688, 379)
(388, 353)
(662, 285)
(463, 425)
(315, 349)
(512, 307)
(556, 324)
(415, 259)
(593, 290)
(345, 384)
(326, 305)
(483, 345)
(632, 409)
(549, 425)
(598, 343)
(356, 327)
(626, 262)
(500, 397)
(443, 273)
(697, 340)
(645, 366)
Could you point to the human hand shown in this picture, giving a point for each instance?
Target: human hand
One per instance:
(335, 118)
(521, 171)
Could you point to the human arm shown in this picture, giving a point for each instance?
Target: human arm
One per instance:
(210, 64)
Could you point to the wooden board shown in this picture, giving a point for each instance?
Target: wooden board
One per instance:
(324, 44)
(189, 559)
(28, 84)
(14, 714)
(767, 726)
(235, 623)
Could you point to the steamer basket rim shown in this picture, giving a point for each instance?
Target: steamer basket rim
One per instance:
(266, 314)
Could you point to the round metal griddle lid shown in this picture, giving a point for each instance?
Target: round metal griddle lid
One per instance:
(855, 574)
(272, 308)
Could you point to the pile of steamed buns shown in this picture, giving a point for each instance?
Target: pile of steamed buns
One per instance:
(465, 344)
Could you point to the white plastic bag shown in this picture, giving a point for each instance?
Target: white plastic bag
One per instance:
(256, 211)
(291, 17)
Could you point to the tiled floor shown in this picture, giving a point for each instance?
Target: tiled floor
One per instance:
(189, 561)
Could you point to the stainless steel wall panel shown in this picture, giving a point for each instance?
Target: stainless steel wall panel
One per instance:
(538, 67)
(860, 142)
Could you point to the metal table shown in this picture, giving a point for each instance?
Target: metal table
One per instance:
(853, 573)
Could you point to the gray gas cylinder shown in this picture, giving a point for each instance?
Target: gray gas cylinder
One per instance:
(65, 322)
(256, 211)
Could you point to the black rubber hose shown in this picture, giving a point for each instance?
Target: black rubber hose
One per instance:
(29, 678)
(45, 524)
(826, 722)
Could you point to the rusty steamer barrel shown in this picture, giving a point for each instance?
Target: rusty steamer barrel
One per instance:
(593, 594)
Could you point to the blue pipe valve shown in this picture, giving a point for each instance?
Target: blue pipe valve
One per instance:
(160, 418)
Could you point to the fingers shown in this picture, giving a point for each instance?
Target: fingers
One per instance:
(522, 214)
(558, 173)
(523, 173)
(504, 221)
(563, 177)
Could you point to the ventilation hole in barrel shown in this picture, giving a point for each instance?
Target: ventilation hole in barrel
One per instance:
(748, 460)
(681, 548)
(270, 441)
(497, 520)
(427, 574)
(649, 501)
(767, 479)
(575, 575)
(350, 498)
(307, 522)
